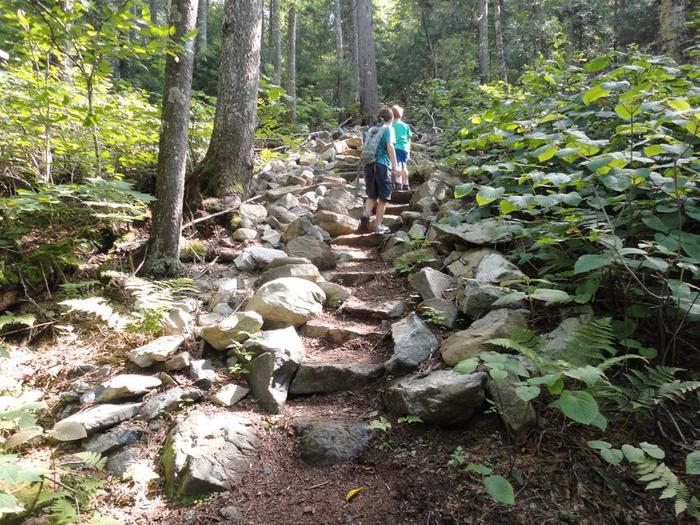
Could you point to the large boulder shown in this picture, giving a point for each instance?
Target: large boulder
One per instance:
(302, 271)
(303, 227)
(287, 302)
(327, 442)
(468, 343)
(434, 189)
(494, 268)
(125, 386)
(443, 397)
(339, 200)
(398, 244)
(235, 328)
(318, 252)
(315, 378)
(475, 298)
(517, 415)
(283, 339)
(271, 372)
(256, 258)
(255, 213)
(208, 452)
(413, 344)
(465, 263)
(335, 223)
(443, 311)
(157, 351)
(431, 284)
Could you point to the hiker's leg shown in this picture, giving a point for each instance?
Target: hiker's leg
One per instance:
(369, 205)
(381, 207)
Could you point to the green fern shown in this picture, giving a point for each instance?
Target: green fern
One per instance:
(92, 460)
(593, 342)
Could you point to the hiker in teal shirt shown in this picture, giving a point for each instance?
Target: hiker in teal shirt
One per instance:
(403, 147)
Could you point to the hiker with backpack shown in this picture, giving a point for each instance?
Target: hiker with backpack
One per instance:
(379, 159)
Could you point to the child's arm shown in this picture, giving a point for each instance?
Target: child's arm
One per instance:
(392, 157)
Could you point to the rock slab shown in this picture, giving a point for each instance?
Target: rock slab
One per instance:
(316, 378)
(327, 442)
(205, 453)
(413, 344)
(288, 301)
(443, 397)
(157, 351)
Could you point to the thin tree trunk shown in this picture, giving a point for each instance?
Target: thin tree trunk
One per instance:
(262, 37)
(499, 40)
(163, 255)
(202, 23)
(484, 40)
(292, 62)
(153, 6)
(369, 98)
(339, 52)
(227, 168)
(275, 42)
(671, 20)
(424, 15)
(354, 53)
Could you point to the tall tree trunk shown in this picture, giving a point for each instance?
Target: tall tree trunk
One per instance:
(227, 168)
(262, 37)
(499, 40)
(202, 23)
(425, 8)
(275, 42)
(484, 40)
(671, 20)
(153, 6)
(339, 51)
(292, 62)
(369, 98)
(163, 255)
(354, 53)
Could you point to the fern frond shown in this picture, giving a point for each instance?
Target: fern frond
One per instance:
(592, 343)
(98, 307)
(92, 459)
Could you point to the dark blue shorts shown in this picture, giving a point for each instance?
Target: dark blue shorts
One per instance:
(378, 181)
(401, 156)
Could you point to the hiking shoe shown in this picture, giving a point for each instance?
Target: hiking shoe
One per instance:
(364, 224)
(381, 229)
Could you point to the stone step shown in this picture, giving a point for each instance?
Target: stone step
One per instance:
(354, 256)
(401, 197)
(333, 333)
(350, 278)
(374, 310)
(322, 378)
(397, 209)
(355, 240)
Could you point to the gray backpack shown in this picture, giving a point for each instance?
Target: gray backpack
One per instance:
(371, 143)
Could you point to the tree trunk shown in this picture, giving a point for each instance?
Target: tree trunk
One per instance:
(499, 40)
(291, 86)
(339, 52)
(369, 98)
(227, 168)
(202, 22)
(163, 255)
(354, 54)
(262, 37)
(671, 20)
(484, 40)
(153, 6)
(275, 42)
(425, 8)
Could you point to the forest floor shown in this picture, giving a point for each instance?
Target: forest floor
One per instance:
(412, 473)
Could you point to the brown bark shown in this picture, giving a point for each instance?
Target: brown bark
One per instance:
(275, 42)
(291, 84)
(369, 98)
(163, 255)
(228, 165)
(425, 8)
(499, 40)
(484, 41)
(671, 20)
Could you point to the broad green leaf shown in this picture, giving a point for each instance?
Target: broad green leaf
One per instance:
(500, 489)
(9, 504)
(551, 296)
(510, 298)
(653, 450)
(506, 207)
(692, 463)
(588, 374)
(627, 112)
(22, 436)
(498, 375)
(467, 366)
(488, 194)
(598, 445)
(587, 263)
(653, 151)
(612, 455)
(578, 405)
(594, 94)
(479, 469)
(527, 392)
(463, 190)
(633, 454)
(68, 431)
(679, 104)
(597, 64)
